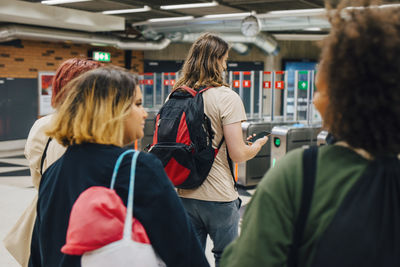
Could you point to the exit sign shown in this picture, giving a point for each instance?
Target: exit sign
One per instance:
(101, 56)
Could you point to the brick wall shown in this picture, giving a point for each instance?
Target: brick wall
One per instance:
(24, 58)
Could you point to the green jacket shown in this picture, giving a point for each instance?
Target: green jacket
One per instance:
(267, 228)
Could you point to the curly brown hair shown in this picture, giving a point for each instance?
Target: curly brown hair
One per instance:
(361, 62)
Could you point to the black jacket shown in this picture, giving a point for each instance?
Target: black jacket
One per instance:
(156, 205)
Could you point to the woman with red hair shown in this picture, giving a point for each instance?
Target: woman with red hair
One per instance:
(41, 152)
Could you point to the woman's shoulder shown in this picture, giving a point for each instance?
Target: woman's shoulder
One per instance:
(150, 163)
(222, 90)
(145, 161)
(222, 96)
(151, 170)
(37, 139)
(37, 132)
(332, 160)
(148, 159)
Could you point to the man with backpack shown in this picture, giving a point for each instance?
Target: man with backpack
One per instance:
(194, 129)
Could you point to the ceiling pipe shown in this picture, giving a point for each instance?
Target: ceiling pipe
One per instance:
(12, 32)
(271, 21)
(240, 48)
(265, 42)
(300, 37)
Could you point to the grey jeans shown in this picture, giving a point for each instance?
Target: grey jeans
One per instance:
(220, 220)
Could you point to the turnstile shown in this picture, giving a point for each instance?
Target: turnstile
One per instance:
(321, 138)
(250, 172)
(148, 129)
(286, 138)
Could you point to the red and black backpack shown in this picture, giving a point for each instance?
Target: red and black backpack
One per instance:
(183, 138)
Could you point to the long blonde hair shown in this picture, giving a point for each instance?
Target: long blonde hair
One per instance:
(203, 65)
(95, 107)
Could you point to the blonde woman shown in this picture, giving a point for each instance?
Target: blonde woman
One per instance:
(102, 113)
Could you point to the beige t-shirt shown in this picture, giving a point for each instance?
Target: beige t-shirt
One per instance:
(223, 106)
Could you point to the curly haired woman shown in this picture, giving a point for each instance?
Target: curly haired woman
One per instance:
(354, 216)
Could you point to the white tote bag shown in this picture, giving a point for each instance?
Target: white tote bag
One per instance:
(124, 252)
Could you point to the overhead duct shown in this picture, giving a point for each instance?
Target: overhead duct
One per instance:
(287, 20)
(300, 37)
(240, 48)
(266, 43)
(263, 41)
(8, 33)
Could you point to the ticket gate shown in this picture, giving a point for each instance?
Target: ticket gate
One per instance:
(250, 172)
(286, 138)
(148, 130)
(321, 138)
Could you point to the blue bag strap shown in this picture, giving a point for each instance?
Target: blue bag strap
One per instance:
(129, 212)
(116, 167)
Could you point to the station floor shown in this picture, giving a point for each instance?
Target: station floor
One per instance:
(16, 193)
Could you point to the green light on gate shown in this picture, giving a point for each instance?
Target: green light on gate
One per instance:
(273, 162)
(302, 85)
(277, 142)
(101, 56)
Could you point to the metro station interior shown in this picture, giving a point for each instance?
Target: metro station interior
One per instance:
(272, 65)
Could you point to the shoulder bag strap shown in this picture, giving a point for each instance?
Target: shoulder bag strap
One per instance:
(129, 212)
(309, 171)
(44, 156)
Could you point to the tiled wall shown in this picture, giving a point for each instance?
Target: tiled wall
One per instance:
(23, 58)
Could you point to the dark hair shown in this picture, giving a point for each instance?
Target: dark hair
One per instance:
(95, 108)
(202, 66)
(361, 63)
(66, 72)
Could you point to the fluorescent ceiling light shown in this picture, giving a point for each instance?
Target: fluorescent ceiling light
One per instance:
(213, 16)
(390, 6)
(124, 11)
(170, 19)
(57, 2)
(99, 44)
(297, 11)
(194, 5)
(313, 29)
(374, 6)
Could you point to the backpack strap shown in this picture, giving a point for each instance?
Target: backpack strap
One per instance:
(229, 160)
(44, 156)
(204, 89)
(192, 91)
(309, 171)
(188, 89)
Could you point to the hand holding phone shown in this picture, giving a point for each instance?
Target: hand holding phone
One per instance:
(258, 136)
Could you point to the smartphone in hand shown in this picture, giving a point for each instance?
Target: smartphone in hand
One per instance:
(258, 136)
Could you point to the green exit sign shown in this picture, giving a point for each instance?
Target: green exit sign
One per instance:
(101, 56)
(303, 85)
